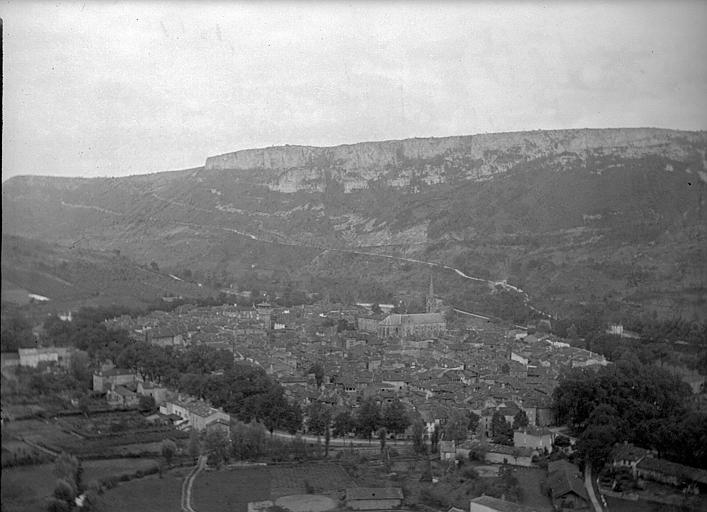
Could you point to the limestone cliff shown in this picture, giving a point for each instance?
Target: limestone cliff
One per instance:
(440, 160)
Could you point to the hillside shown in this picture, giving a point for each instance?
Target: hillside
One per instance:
(58, 278)
(615, 216)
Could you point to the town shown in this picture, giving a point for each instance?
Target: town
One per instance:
(338, 381)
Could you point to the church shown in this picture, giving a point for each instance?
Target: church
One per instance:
(431, 323)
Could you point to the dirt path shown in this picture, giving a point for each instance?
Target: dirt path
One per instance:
(189, 482)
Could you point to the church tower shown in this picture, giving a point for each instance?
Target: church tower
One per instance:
(431, 303)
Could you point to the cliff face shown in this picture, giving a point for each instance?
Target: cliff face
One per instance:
(440, 160)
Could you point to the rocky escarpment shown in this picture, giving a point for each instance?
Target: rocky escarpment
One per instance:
(441, 160)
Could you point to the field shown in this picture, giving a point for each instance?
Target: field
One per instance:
(229, 491)
(530, 479)
(26, 487)
(150, 493)
(119, 434)
(36, 430)
(286, 480)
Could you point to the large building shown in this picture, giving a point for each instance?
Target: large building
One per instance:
(34, 356)
(420, 324)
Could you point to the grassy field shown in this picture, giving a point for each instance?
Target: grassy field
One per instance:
(26, 488)
(230, 491)
(529, 480)
(285, 480)
(150, 493)
(37, 431)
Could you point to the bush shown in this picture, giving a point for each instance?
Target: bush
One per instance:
(109, 482)
(470, 473)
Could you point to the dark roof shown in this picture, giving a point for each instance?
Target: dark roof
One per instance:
(562, 465)
(374, 493)
(563, 482)
(668, 468)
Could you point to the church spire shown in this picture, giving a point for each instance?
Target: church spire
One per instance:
(431, 297)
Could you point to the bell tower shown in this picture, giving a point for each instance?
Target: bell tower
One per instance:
(431, 302)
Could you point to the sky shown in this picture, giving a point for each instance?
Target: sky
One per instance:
(116, 88)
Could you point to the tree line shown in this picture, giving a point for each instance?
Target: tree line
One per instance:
(633, 402)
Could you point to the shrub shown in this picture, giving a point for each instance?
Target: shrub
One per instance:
(109, 482)
(64, 491)
(470, 473)
(309, 488)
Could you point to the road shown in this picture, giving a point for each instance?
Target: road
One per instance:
(189, 481)
(590, 488)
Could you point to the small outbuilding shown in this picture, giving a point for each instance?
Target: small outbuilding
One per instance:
(374, 498)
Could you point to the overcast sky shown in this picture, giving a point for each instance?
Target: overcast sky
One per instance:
(116, 88)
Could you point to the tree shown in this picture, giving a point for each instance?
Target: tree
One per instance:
(376, 309)
(456, 427)
(80, 370)
(216, 445)
(395, 418)
(57, 505)
(343, 424)
(327, 441)
(473, 423)
(146, 403)
(66, 468)
(418, 440)
(319, 418)
(434, 440)
(154, 266)
(194, 446)
(382, 434)
(367, 418)
(318, 372)
(16, 333)
(168, 450)
(520, 420)
(64, 491)
(85, 404)
(501, 430)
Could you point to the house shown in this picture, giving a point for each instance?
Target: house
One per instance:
(121, 396)
(158, 393)
(108, 378)
(447, 450)
(196, 414)
(671, 473)
(502, 454)
(534, 438)
(420, 324)
(566, 487)
(33, 356)
(166, 337)
(374, 498)
(488, 504)
(628, 456)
